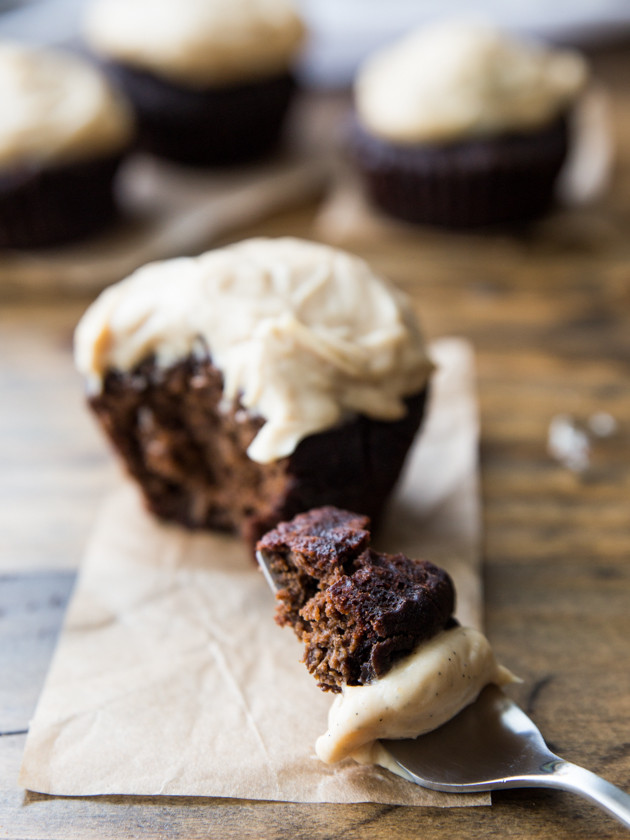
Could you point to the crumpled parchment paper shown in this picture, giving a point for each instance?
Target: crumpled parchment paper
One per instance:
(170, 675)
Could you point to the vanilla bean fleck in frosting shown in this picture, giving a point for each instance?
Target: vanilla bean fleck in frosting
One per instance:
(456, 80)
(305, 335)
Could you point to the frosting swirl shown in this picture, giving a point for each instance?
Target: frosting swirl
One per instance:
(56, 107)
(197, 42)
(457, 80)
(305, 335)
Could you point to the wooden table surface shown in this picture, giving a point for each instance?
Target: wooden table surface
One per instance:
(548, 311)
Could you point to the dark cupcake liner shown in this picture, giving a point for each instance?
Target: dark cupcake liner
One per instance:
(479, 183)
(355, 465)
(45, 206)
(212, 126)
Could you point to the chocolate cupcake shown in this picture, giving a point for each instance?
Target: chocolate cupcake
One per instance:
(210, 80)
(63, 136)
(460, 126)
(255, 381)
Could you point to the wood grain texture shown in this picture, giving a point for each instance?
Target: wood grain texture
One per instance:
(31, 610)
(548, 310)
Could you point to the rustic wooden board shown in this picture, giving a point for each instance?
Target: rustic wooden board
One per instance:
(31, 610)
(548, 311)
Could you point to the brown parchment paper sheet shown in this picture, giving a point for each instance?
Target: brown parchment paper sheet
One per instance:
(171, 677)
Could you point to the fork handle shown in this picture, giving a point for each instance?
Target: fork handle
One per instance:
(567, 776)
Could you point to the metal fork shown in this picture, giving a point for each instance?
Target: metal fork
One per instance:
(492, 745)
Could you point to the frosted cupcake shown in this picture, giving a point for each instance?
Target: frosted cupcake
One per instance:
(63, 133)
(210, 80)
(255, 381)
(459, 125)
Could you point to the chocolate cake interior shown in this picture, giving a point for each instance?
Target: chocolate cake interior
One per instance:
(357, 610)
(188, 456)
(188, 452)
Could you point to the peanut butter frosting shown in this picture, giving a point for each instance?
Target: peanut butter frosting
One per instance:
(305, 335)
(197, 42)
(457, 80)
(420, 693)
(56, 108)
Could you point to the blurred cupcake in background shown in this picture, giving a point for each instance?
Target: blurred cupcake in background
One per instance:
(461, 126)
(210, 80)
(63, 134)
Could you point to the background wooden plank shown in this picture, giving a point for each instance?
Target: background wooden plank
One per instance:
(31, 611)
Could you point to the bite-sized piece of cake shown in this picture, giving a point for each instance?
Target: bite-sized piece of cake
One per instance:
(378, 629)
(460, 125)
(256, 381)
(63, 134)
(210, 80)
(356, 610)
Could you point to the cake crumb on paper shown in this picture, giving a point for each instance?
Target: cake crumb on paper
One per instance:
(570, 442)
